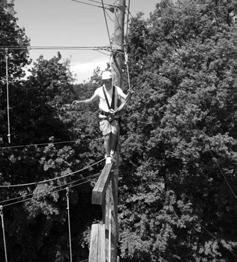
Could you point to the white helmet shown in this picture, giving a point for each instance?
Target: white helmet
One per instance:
(106, 75)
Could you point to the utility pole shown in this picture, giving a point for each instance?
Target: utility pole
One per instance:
(118, 41)
(117, 64)
(104, 235)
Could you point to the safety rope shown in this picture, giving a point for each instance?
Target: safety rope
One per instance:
(128, 13)
(3, 234)
(106, 23)
(126, 46)
(69, 223)
(128, 72)
(8, 107)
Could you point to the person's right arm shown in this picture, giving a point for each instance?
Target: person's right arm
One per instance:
(86, 101)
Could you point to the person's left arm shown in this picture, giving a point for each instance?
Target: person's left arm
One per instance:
(123, 97)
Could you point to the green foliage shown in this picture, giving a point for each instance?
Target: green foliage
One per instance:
(180, 137)
(37, 230)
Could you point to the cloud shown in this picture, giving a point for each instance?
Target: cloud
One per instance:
(83, 71)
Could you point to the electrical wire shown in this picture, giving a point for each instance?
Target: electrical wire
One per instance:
(42, 144)
(52, 179)
(85, 3)
(56, 189)
(3, 48)
(8, 103)
(108, 15)
(39, 144)
(106, 4)
(224, 176)
(106, 23)
(207, 231)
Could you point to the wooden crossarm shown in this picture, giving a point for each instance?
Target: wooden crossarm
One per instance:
(99, 190)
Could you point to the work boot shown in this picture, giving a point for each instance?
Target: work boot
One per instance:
(113, 156)
(108, 160)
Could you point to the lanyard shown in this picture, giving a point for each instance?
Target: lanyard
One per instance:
(113, 98)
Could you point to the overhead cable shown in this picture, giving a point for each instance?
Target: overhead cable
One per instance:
(42, 144)
(224, 176)
(56, 189)
(85, 3)
(3, 48)
(106, 4)
(8, 103)
(39, 144)
(52, 179)
(31, 194)
(106, 23)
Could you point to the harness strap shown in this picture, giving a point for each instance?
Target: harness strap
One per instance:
(108, 116)
(113, 98)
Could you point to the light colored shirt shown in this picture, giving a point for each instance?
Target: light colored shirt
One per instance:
(119, 94)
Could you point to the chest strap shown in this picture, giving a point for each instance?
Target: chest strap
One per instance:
(113, 98)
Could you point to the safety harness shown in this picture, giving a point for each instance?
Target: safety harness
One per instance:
(109, 116)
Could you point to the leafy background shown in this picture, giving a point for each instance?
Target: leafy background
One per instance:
(177, 186)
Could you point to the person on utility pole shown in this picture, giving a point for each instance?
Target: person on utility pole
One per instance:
(109, 97)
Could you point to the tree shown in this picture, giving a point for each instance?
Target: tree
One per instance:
(11, 35)
(179, 141)
(36, 230)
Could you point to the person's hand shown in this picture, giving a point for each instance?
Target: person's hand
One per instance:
(76, 102)
(66, 106)
(112, 111)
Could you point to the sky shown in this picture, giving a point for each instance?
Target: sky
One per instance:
(70, 23)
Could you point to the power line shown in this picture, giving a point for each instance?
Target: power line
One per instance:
(52, 179)
(8, 103)
(85, 3)
(108, 15)
(39, 144)
(42, 144)
(56, 189)
(105, 48)
(224, 176)
(106, 4)
(106, 23)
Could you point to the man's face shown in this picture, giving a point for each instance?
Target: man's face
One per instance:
(108, 83)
